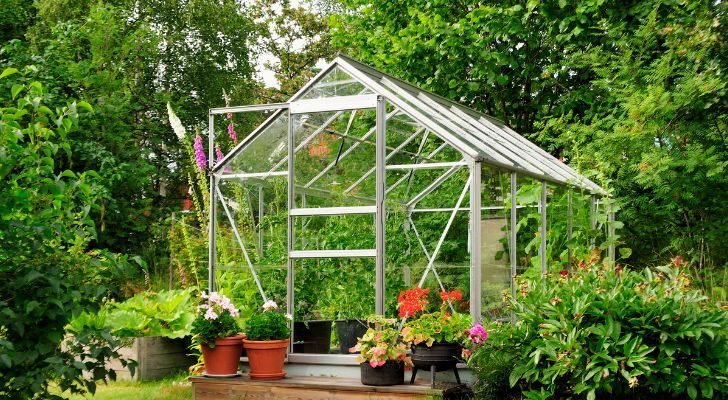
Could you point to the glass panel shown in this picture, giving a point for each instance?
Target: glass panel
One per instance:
(335, 83)
(407, 260)
(338, 149)
(495, 237)
(528, 199)
(557, 220)
(266, 152)
(342, 232)
(268, 255)
(332, 297)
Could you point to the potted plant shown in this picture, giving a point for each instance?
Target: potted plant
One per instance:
(382, 354)
(217, 332)
(438, 339)
(266, 343)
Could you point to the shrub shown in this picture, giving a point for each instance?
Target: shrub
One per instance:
(166, 313)
(268, 325)
(600, 331)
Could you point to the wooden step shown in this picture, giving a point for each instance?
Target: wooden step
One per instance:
(314, 387)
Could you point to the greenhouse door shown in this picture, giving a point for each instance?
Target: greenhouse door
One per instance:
(335, 238)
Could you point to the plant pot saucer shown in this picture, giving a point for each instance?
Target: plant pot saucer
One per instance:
(221, 375)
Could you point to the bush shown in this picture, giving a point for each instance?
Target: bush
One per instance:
(268, 325)
(47, 274)
(601, 331)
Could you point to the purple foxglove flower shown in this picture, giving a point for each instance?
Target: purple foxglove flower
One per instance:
(200, 153)
(231, 132)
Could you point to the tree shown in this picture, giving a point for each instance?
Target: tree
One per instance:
(632, 93)
(296, 38)
(47, 274)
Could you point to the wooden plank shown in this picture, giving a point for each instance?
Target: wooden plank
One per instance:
(305, 388)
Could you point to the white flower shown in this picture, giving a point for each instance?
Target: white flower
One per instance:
(270, 305)
(289, 317)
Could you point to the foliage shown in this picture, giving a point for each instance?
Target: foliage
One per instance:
(296, 38)
(439, 326)
(382, 342)
(602, 330)
(165, 313)
(270, 324)
(633, 94)
(215, 319)
(47, 274)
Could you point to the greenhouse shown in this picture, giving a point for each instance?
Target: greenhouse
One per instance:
(362, 185)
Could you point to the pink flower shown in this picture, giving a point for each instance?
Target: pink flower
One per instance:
(375, 363)
(218, 153)
(210, 314)
(478, 334)
(231, 132)
(200, 153)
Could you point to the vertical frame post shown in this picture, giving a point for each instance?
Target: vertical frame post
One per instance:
(380, 217)
(569, 226)
(475, 241)
(212, 244)
(291, 205)
(513, 249)
(544, 229)
(261, 211)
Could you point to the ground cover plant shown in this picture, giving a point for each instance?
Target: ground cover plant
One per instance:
(601, 331)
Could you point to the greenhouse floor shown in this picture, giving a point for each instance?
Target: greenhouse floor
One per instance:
(317, 387)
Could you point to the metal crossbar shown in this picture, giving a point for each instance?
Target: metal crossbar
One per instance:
(242, 246)
(444, 233)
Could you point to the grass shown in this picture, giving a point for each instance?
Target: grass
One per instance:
(175, 388)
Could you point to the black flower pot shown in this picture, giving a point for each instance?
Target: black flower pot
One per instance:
(391, 373)
(348, 332)
(312, 337)
(438, 357)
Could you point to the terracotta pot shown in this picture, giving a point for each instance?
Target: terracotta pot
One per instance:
(266, 358)
(223, 359)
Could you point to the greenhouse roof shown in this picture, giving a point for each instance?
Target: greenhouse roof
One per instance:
(477, 135)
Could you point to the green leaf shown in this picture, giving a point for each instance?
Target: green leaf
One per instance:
(15, 90)
(8, 72)
(692, 391)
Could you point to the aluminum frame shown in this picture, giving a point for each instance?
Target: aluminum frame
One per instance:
(480, 139)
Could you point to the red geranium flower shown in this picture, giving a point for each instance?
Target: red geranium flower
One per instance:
(564, 272)
(412, 301)
(455, 295)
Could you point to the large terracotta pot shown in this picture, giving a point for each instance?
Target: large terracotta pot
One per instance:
(223, 359)
(266, 358)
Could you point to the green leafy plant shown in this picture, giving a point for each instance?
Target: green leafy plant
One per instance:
(441, 326)
(165, 313)
(215, 319)
(602, 330)
(382, 342)
(271, 324)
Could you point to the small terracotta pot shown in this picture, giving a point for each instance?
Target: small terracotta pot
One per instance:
(223, 359)
(266, 358)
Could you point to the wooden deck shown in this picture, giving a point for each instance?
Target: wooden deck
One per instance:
(314, 387)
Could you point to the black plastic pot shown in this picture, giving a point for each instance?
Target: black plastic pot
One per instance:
(348, 332)
(438, 357)
(391, 373)
(312, 337)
